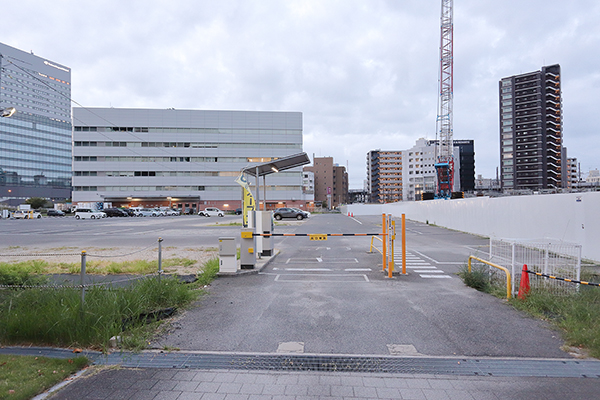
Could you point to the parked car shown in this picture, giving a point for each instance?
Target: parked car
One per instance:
(21, 214)
(146, 212)
(115, 212)
(238, 211)
(84, 213)
(128, 211)
(211, 212)
(170, 212)
(55, 213)
(189, 211)
(286, 212)
(304, 211)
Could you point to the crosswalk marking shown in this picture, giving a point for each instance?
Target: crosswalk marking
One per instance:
(420, 266)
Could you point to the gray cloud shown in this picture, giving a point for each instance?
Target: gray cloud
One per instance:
(364, 73)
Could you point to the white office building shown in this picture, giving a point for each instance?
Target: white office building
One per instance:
(183, 158)
(418, 172)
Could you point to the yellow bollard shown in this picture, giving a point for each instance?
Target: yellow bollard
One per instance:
(403, 244)
(384, 250)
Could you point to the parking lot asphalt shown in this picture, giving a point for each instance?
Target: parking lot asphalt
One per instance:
(330, 299)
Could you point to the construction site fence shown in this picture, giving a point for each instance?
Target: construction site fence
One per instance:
(547, 257)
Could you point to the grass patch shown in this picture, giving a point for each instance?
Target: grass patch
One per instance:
(20, 271)
(209, 273)
(576, 315)
(23, 273)
(55, 316)
(23, 377)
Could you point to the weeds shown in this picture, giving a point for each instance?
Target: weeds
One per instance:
(23, 273)
(478, 278)
(577, 314)
(209, 273)
(55, 316)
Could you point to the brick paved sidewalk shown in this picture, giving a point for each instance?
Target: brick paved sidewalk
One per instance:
(108, 383)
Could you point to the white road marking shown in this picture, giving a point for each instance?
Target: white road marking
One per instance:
(425, 271)
(358, 269)
(308, 269)
(435, 276)
(338, 278)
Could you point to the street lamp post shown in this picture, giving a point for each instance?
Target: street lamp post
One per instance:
(8, 112)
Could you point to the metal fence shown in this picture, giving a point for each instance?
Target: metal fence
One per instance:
(545, 256)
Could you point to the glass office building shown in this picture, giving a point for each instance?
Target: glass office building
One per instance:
(35, 151)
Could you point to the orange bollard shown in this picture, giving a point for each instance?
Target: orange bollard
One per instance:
(524, 286)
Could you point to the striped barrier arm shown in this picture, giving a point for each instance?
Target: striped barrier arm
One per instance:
(562, 279)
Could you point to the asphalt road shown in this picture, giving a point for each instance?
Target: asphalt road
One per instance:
(331, 297)
(184, 230)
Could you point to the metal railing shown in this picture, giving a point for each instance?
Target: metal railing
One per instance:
(506, 271)
(545, 256)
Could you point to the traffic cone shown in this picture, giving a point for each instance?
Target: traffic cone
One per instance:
(524, 287)
(352, 215)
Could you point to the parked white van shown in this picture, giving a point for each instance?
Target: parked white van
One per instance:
(83, 213)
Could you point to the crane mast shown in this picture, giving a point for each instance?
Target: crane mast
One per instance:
(444, 165)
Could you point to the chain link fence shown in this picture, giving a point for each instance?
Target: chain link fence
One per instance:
(545, 256)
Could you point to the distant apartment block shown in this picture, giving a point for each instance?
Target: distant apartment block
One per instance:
(531, 130)
(571, 173)
(35, 156)
(404, 175)
(384, 176)
(330, 182)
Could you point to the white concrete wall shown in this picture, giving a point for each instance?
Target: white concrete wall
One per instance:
(572, 217)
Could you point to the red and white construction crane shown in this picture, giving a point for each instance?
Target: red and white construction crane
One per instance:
(444, 165)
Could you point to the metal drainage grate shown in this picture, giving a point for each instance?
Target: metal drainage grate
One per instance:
(363, 364)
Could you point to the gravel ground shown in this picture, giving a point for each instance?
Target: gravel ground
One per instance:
(113, 254)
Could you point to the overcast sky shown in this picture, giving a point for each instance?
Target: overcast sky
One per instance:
(363, 73)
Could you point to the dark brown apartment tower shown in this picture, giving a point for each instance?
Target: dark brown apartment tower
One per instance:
(531, 130)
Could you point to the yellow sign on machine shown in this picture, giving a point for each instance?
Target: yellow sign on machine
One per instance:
(318, 236)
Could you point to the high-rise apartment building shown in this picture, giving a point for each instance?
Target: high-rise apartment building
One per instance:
(384, 176)
(35, 156)
(531, 130)
(185, 158)
(330, 181)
